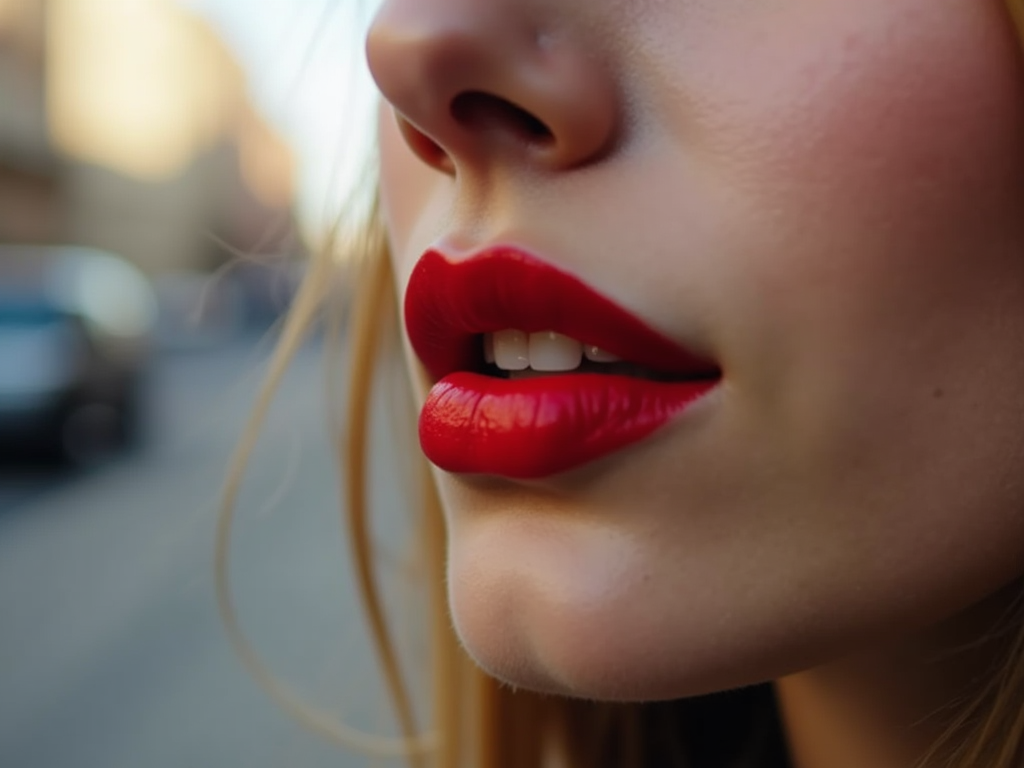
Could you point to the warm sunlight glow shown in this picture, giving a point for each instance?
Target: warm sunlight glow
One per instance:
(138, 86)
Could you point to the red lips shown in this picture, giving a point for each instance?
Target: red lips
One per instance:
(531, 428)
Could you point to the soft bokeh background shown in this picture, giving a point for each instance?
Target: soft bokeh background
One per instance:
(166, 168)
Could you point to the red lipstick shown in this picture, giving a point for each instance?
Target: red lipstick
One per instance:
(476, 422)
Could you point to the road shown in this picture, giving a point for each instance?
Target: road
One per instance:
(112, 654)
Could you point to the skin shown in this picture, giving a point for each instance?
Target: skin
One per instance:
(825, 197)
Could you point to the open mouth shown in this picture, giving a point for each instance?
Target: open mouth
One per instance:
(516, 355)
(535, 372)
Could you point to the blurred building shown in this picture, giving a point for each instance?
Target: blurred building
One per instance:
(126, 125)
(30, 171)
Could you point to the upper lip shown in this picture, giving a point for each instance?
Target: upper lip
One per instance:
(449, 304)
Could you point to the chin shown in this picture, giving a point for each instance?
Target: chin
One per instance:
(600, 656)
(582, 623)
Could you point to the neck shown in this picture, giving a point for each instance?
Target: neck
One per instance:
(886, 707)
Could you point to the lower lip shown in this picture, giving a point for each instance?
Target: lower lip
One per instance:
(533, 428)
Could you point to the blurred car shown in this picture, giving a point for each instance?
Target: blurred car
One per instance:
(76, 328)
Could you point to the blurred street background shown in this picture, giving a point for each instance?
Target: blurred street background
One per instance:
(157, 207)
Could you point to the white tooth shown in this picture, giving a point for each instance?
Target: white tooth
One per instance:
(512, 350)
(489, 348)
(598, 355)
(550, 351)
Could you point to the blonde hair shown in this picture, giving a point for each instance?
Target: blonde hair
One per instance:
(476, 721)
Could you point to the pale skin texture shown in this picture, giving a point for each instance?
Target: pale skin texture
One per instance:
(826, 197)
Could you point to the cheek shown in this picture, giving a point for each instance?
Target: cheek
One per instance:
(876, 174)
(883, 299)
(888, 105)
(861, 160)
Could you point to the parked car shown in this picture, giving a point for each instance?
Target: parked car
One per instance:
(76, 327)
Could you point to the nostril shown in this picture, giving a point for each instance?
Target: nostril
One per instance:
(478, 111)
(426, 148)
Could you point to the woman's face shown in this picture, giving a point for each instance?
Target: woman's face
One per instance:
(822, 201)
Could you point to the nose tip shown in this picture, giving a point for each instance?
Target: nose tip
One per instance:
(475, 83)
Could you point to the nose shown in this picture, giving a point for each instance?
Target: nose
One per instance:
(477, 82)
